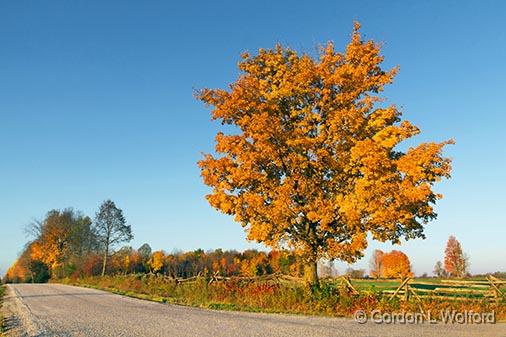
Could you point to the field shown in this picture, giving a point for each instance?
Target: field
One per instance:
(368, 284)
(375, 285)
(488, 289)
(333, 298)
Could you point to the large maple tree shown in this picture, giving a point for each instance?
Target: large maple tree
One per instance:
(312, 160)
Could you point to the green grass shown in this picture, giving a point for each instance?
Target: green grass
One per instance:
(375, 285)
(380, 284)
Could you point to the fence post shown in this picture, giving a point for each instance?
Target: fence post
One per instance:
(498, 294)
(403, 283)
(346, 282)
(406, 289)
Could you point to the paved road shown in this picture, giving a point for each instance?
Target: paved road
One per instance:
(59, 310)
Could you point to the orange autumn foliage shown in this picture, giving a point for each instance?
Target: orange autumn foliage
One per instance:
(18, 272)
(312, 161)
(156, 261)
(20, 269)
(395, 265)
(456, 262)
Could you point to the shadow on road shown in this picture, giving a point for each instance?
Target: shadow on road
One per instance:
(9, 324)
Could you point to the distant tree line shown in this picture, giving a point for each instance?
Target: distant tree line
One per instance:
(199, 262)
(67, 243)
(64, 240)
(127, 260)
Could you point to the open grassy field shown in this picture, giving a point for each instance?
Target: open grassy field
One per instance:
(380, 284)
(375, 285)
(486, 289)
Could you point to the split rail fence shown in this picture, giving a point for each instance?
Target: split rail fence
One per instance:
(489, 289)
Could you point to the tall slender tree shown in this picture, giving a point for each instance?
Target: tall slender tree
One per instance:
(111, 229)
(376, 264)
(456, 263)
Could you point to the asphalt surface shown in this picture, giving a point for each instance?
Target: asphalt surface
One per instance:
(60, 310)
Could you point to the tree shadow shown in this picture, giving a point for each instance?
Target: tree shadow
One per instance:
(9, 323)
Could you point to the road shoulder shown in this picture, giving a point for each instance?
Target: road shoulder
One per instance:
(19, 321)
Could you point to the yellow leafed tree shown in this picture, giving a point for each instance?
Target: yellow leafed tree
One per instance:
(311, 160)
(156, 261)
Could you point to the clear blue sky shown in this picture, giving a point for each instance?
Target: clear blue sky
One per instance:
(96, 102)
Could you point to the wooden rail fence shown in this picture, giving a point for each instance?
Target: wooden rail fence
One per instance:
(276, 277)
(490, 289)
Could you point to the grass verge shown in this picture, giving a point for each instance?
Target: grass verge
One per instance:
(229, 296)
(271, 297)
(2, 293)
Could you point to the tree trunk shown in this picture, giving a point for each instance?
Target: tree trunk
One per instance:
(104, 264)
(313, 273)
(312, 266)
